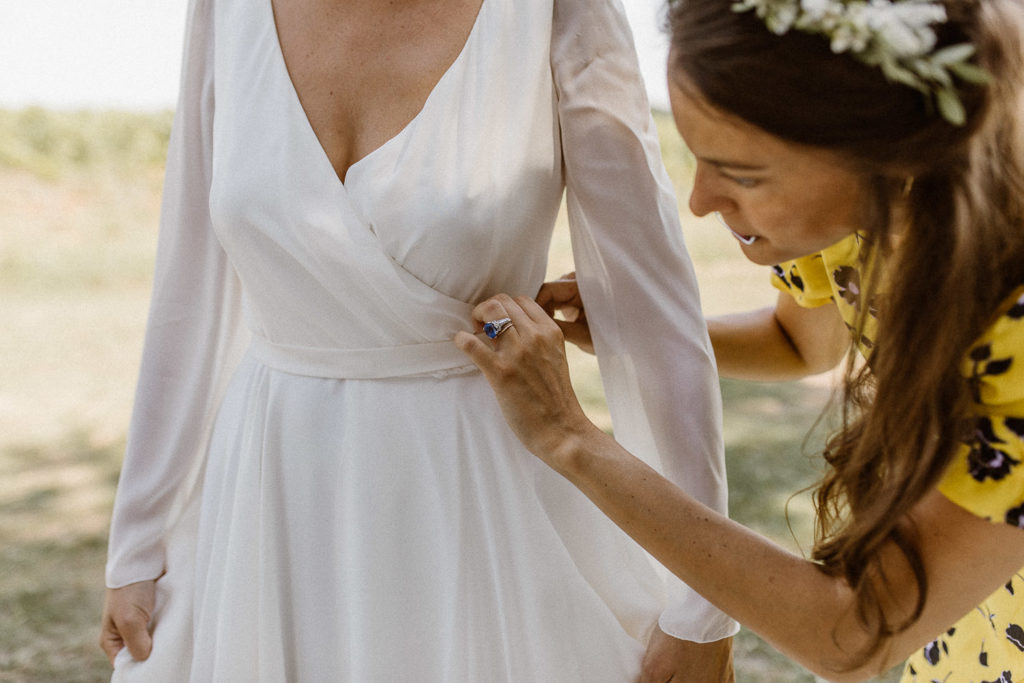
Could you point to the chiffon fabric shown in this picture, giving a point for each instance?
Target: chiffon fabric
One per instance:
(322, 482)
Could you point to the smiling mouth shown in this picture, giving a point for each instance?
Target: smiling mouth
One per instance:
(745, 239)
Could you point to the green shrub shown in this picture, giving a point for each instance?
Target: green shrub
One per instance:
(50, 143)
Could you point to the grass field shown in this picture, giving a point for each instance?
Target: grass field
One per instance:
(79, 196)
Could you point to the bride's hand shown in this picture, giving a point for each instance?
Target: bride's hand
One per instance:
(527, 369)
(563, 295)
(670, 659)
(126, 615)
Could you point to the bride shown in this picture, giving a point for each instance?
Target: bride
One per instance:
(318, 485)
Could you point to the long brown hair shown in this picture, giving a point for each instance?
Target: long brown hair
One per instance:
(959, 254)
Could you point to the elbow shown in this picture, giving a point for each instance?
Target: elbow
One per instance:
(820, 365)
(844, 668)
(829, 357)
(811, 358)
(855, 676)
(836, 647)
(833, 672)
(841, 678)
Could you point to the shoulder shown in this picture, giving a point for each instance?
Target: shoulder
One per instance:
(986, 475)
(994, 367)
(833, 274)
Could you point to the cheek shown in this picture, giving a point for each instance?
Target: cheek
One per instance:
(772, 219)
(797, 229)
(838, 197)
(817, 217)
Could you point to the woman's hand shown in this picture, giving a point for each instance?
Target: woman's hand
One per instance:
(563, 295)
(671, 659)
(527, 369)
(126, 615)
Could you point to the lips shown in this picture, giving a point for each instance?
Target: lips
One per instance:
(745, 239)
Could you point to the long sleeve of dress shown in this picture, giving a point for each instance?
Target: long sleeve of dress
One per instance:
(193, 336)
(635, 276)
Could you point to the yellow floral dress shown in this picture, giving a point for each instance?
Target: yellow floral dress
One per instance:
(986, 476)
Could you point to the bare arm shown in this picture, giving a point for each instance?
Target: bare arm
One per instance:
(782, 343)
(769, 344)
(785, 598)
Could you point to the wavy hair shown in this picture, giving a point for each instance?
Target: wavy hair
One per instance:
(959, 253)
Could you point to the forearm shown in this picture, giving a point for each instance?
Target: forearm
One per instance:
(786, 342)
(805, 613)
(752, 346)
(786, 599)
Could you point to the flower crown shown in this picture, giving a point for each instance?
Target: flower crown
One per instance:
(895, 35)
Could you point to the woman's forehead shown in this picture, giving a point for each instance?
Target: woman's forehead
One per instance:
(724, 139)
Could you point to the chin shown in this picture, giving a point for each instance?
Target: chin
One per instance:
(764, 253)
(761, 253)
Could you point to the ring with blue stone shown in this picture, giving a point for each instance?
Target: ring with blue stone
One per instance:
(495, 327)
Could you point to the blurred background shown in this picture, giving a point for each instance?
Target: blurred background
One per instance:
(85, 112)
(116, 54)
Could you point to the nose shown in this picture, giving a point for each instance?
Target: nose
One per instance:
(707, 196)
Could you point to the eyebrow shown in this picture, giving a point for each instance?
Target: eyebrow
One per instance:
(723, 163)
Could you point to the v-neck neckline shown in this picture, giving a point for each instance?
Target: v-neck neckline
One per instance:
(297, 101)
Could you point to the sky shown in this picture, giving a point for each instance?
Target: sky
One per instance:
(126, 54)
(652, 47)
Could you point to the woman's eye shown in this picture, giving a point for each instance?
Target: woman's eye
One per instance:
(742, 181)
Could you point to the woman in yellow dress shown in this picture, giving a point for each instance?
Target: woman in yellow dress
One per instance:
(873, 154)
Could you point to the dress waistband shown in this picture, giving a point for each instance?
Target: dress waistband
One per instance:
(430, 359)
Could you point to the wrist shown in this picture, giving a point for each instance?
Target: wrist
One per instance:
(576, 448)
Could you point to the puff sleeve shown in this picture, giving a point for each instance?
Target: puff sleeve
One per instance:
(831, 275)
(634, 274)
(193, 335)
(986, 475)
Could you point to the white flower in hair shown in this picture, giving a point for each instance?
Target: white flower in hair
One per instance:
(817, 9)
(898, 36)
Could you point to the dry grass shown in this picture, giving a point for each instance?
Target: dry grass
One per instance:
(78, 206)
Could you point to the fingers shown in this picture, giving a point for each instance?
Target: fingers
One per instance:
(531, 311)
(503, 306)
(110, 640)
(126, 618)
(491, 309)
(481, 353)
(526, 314)
(561, 295)
(527, 369)
(129, 630)
(135, 631)
(559, 292)
(578, 334)
(528, 319)
(471, 345)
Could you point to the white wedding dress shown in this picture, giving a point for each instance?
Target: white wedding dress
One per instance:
(323, 483)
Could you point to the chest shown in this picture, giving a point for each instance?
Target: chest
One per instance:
(363, 70)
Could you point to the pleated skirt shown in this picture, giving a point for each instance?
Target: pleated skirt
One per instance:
(390, 530)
